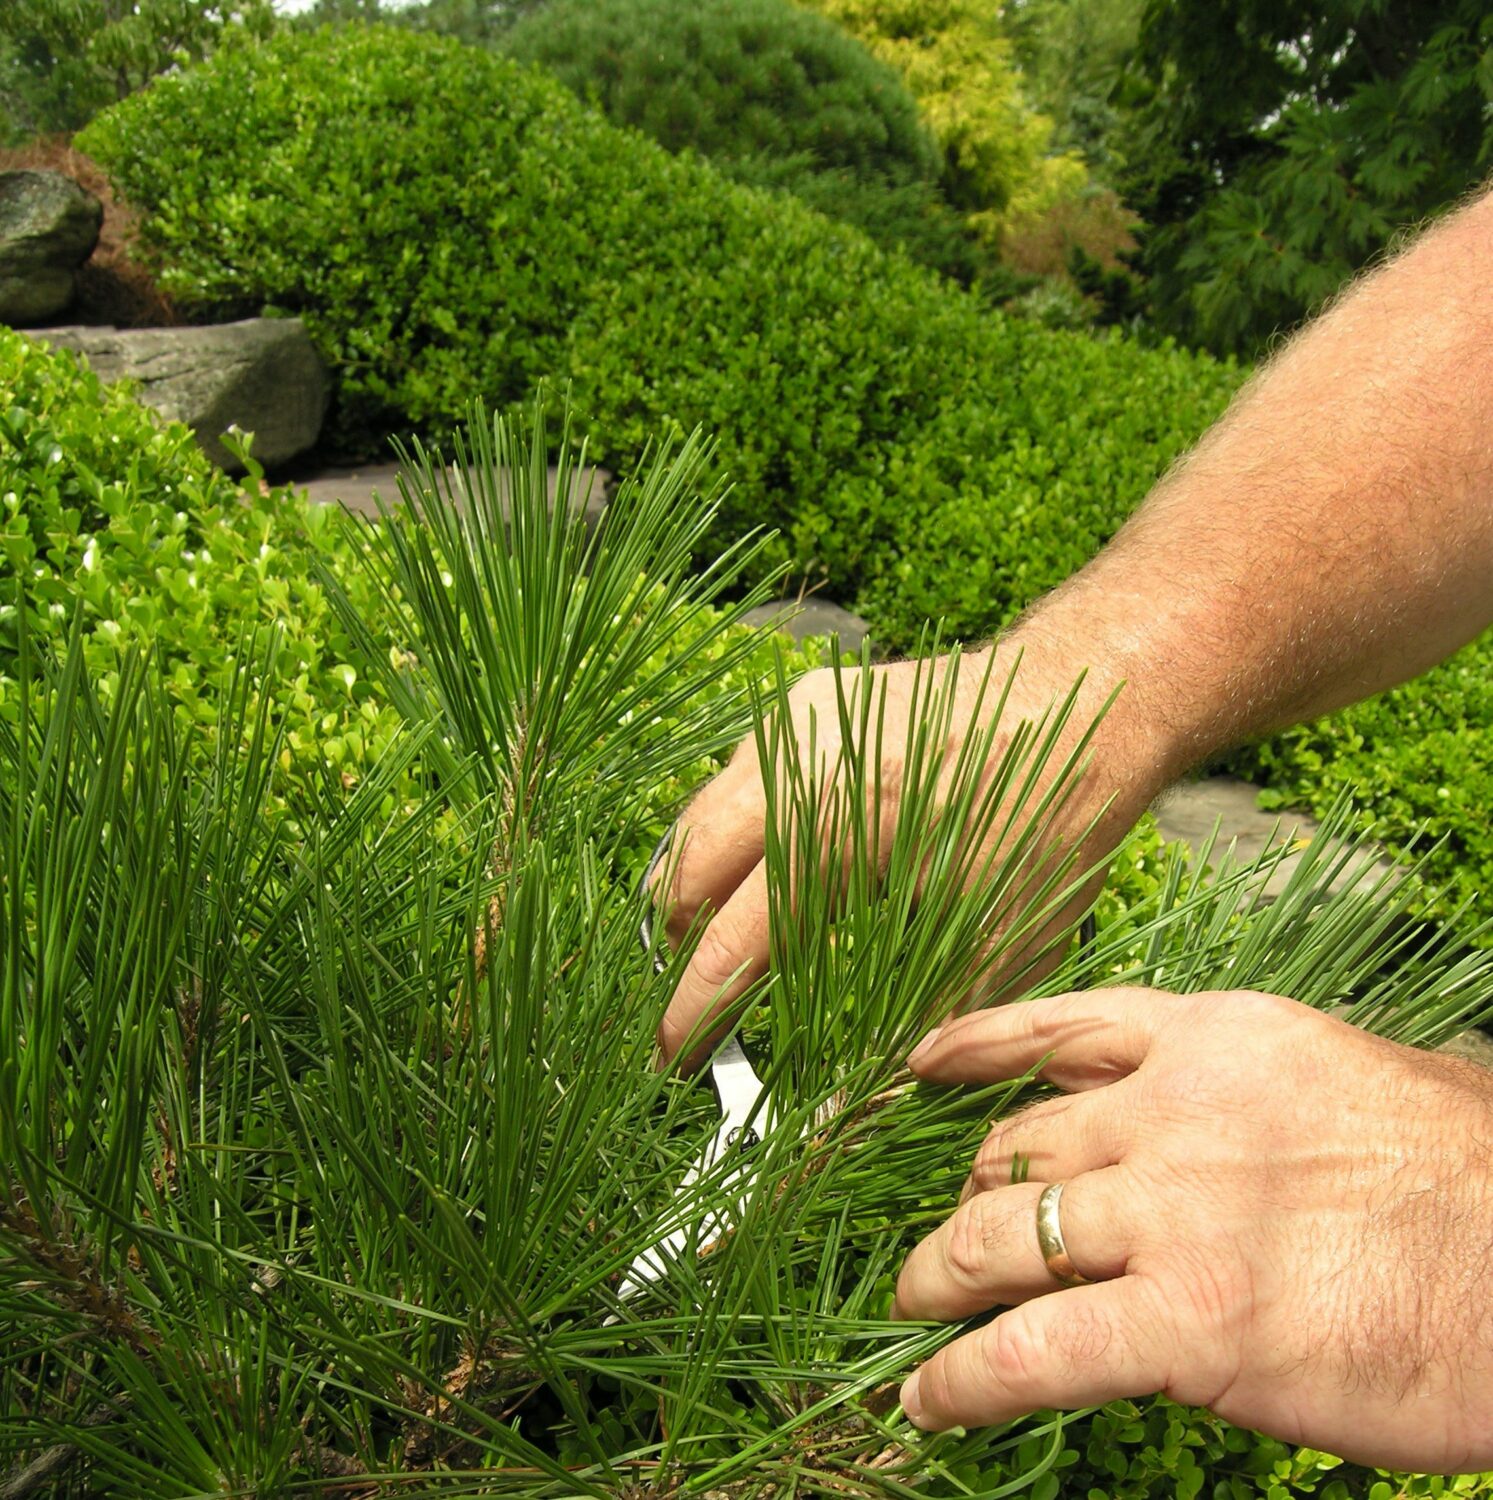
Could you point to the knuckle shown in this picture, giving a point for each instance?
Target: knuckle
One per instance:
(1013, 1352)
(971, 1236)
(985, 1171)
(810, 689)
(991, 1167)
(717, 956)
(1253, 1007)
(1081, 1341)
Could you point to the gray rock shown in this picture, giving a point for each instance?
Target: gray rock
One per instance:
(263, 375)
(48, 228)
(812, 616)
(361, 489)
(1191, 812)
(1470, 1046)
(1474, 1046)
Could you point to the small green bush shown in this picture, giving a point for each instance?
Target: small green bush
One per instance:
(773, 95)
(918, 452)
(1419, 760)
(734, 81)
(110, 514)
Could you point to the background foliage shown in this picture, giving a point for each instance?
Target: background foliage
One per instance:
(114, 524)
(920, 454)
(773, 95)
(61, 61)
(119, 521)
(1070, 54)
(1274, 149)
(753, 79)
(958, 65)
(1420, 757)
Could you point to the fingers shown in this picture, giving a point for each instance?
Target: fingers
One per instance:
(732, 954)
(719, 841)
(1094, 1037)
(1054, 1140)
(1076, 1348)
(986, 1254)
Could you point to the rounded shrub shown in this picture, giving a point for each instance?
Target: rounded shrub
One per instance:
(453, 225)
(735, 81)
(775, 96)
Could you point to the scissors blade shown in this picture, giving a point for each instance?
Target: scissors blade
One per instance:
(740, 1093)
(744, 1114)
(653, 1264)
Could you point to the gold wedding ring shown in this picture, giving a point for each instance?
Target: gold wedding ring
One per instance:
(1050, 1238)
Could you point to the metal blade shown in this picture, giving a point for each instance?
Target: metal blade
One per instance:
(739, 1090)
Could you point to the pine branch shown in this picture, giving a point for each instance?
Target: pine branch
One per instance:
(399, 1067)
(74, 1279)
(32, 1475)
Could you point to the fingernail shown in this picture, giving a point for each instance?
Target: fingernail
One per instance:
(924, 1047)
(911, 1404)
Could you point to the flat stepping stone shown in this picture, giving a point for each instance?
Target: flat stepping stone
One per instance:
(361, 489)
(1189, 814)
(802, 618)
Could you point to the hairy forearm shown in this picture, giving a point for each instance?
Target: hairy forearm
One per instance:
(1331, 536)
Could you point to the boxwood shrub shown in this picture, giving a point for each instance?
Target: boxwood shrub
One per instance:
(114, 516)
(452, 225)
(1418, 758)
(753, 78)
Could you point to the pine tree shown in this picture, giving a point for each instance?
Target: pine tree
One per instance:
(324, 1155)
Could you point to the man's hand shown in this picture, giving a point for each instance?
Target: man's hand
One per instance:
(721, 875)
(1286, 1219)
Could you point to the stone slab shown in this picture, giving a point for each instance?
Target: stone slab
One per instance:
(361, 489)
(262, 375)
(1471, 1046)
(1190, 812)
(802, 618)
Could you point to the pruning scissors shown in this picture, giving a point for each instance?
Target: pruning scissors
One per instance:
(740, 1094)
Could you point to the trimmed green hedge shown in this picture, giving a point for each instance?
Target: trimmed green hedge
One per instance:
(451, 225)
